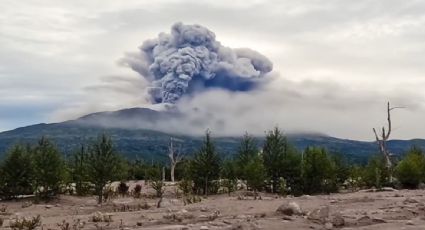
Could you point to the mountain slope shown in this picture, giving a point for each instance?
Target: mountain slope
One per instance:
(152, 145)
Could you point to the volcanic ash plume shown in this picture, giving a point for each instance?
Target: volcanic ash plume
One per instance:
(190, 59)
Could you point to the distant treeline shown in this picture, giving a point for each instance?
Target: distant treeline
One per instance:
(278, 167)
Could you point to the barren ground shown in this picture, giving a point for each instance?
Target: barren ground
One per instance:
(403, 209)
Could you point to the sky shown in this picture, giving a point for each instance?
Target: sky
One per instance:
(335, 63)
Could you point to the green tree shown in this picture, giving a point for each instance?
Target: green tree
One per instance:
(246, 152)
(255, 174)
(48, 169)
(105, 164)
(318, 171)
(410, 170)
(376, 173)
(229, 175)
(205, 166)
(281, 160)
(79, 171)
(16, 173)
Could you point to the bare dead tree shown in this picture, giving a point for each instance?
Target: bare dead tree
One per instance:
(384, 136)
(175, 156)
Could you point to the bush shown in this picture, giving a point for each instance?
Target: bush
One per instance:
(24, 224)
(137, 191)
(409, 170)
(123, 188)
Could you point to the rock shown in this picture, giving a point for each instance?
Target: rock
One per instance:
(328, 226)
(367, 220)
(49, 206)
(204, 209)
(319, 215)
(338, 220)
(287, 218)
(388, 189)
(410, 222)
(421, 185)
(139, 224)
(204, 228)
(410, 200)
(289, 209)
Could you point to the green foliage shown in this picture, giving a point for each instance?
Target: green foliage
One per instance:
(105, 164)
(79, 171)
(375, 173)
(205, 166)
(246, 152)
(410, 171)
(255, 174)
(281, 160)
(48, 169)
(318, 171)
(229, 175)
(16, 173)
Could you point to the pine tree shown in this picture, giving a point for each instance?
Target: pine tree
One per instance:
(318, 171)
(16, 173)
(48, 168)
(246, 152)
(205, 166)
(254, 172)
(104, 166)
(281, 160)
(79, 167)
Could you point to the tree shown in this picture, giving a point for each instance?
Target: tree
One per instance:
(16, 173)
(382, 139)
(376, 173)
(318, 171)
(79, 167)
(254, 172)
(48, 168)
(281, 160)
(246, 152)
(105, 164)
(175, 157)
(205, 166)
(228, 175)
(410, 170)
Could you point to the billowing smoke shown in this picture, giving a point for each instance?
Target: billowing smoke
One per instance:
(190, 59)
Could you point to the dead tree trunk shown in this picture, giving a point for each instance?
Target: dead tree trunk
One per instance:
(175, 158)
(383, 138)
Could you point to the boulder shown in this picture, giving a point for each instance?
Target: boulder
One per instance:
(289, 209)
(320, 215)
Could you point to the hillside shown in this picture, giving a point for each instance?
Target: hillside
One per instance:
(152, 145)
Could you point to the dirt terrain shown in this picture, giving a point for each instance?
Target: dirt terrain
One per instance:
(392, 209)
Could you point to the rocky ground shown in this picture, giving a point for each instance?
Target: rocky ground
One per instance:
(392, 209)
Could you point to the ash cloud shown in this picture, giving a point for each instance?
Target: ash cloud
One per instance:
(190, 59)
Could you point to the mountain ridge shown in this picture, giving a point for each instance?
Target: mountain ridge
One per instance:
(151, 144)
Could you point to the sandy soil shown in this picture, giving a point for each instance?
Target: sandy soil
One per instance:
(403, 209)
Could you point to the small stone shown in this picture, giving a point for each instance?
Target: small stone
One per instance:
(329, 226)
(139, 224)
(338, 220)
(410, 222)
(204, 228)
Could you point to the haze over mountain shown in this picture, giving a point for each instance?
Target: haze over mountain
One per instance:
(143, 141)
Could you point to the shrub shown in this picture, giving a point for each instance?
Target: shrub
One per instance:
(24, 224)
(123, 188)
(137, 191)
(409, 170)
